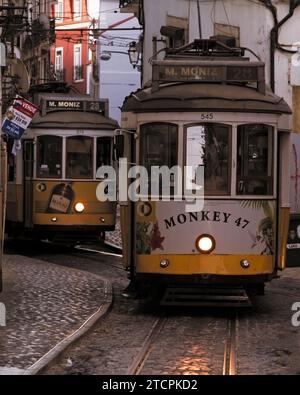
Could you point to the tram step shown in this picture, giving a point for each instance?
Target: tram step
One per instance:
(185, 296)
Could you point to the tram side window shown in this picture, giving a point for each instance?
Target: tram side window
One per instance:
(49, 157)
(207, 146)
(255, 160)
(104, 151)
(79, 157)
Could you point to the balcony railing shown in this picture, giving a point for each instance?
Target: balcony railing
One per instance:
(59, 75)
(78, 73)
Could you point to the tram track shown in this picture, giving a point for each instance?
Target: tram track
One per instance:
(230, 351)
(230, 347)
(138, 366)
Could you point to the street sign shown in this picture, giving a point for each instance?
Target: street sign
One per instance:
(18, 117)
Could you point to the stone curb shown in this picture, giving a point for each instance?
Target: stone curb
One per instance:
(55, 352)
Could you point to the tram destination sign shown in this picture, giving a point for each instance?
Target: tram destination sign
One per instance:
(75, 105)
(167, 71)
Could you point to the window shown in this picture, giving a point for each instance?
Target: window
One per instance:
(208, 146)
(78, 69)
(77, 8)
(49, 157)
(79, 157)
(59, 10)
(59, 73)
(255, 160)
(42, 6)
(104, 154)
(176, 23)
(159, 142)
(221, 29)
(158, 145)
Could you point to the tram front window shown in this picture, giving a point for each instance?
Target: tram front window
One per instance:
(49, 157)
(159, 142)
(79, 157)
(207, 145)
(104, 145)
(255, 160)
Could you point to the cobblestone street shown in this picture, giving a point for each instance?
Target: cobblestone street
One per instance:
(193, 339)
(44, 304)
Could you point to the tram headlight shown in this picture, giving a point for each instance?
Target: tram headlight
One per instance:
(205, 244)
(79, 207)
(164, 263)
(245, 264)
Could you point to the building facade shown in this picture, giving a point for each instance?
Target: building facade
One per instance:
(269, 29)
(73, 52)
(28, 32)
(117, 76)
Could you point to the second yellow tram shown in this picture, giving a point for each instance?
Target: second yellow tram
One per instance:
(208, 106)
(52, 180)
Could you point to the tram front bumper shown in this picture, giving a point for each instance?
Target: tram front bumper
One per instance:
(200, 265)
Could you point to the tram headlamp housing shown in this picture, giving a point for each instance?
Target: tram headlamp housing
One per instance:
(79, 207)
(245, 264)
(164, 263)
(205, 244)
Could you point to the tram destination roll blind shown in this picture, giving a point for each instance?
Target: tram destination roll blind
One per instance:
(74, 105)
(168, 71)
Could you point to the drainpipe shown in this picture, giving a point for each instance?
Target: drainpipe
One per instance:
(274, 35)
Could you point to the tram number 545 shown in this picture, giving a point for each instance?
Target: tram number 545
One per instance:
(207, 116)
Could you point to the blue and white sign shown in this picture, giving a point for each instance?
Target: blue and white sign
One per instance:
(18, 118)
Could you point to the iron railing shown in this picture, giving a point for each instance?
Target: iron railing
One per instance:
(78, 73)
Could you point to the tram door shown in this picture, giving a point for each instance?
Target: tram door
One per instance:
(28, 182)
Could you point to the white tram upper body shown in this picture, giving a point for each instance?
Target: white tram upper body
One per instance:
(208, 106)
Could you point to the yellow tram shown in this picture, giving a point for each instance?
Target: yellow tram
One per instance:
(208, 107)
(52, 178)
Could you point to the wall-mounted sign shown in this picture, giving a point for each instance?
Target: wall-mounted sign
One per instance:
(18, 117)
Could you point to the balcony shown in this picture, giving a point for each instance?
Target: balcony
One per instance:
(59, 75)
(43, 32)
(78, 73)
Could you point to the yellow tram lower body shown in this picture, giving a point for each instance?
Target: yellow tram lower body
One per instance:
(218, 265)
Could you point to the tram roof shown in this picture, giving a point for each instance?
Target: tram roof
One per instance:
(195, 96)
(74, 120)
